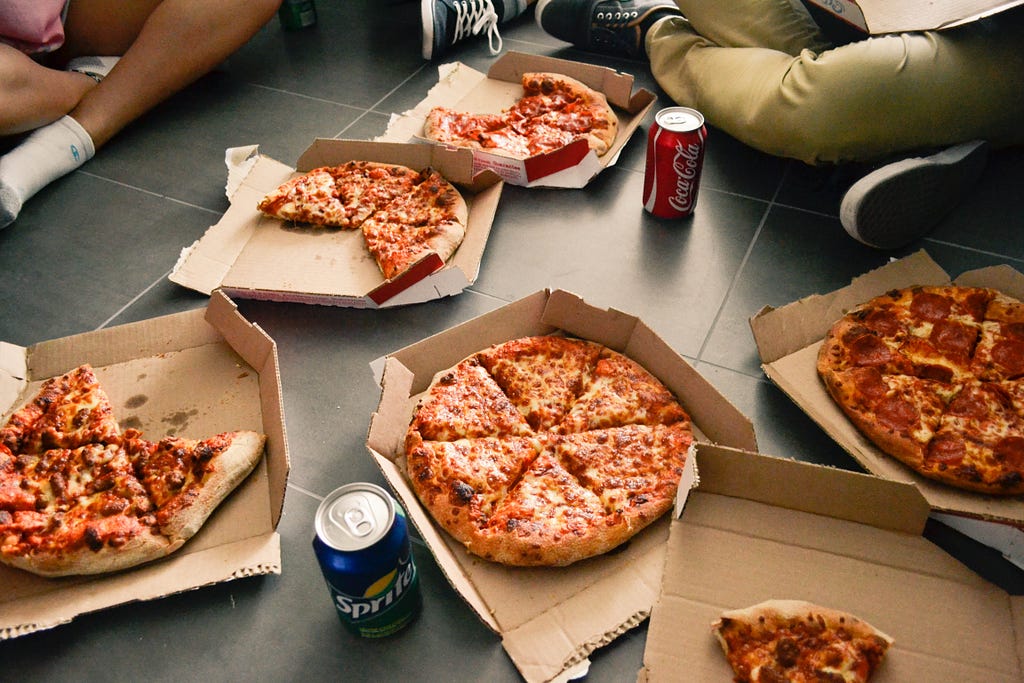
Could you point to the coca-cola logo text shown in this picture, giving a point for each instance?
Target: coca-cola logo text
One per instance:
(686, 164)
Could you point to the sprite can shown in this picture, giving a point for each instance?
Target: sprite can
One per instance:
(362, 545)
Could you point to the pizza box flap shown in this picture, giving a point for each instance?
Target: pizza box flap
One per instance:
(591, 602)
(252, 256)
(789, 337)
(733, 548)
(193, 374)
(882, 16)
(462, 88)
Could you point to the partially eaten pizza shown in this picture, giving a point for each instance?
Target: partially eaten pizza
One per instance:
(543, 451)
(553, 111)
(79, 495)
(794, 641)
(404, 214)
(934, 376)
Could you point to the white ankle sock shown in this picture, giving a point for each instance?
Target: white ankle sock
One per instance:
(45, 155)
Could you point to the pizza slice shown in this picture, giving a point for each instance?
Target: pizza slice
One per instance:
(634, 470)
(340, 196)
(462, 482)
(68, 411)
(1000, 353)
(465, 402)
(542, 376)
(430, 219)
(797, 641)
(899, 413)
(547, 519)
(574, 108)
(621, 392)
(90, 514)
(186, 479)
(979, 443)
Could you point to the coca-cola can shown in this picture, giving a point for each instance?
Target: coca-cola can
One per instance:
(675, 156)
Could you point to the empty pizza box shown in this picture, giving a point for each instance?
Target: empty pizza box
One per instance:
(549, 619)
(462, 88)
(252, 256)
(192, 374)
(758, 528)
(880, 16)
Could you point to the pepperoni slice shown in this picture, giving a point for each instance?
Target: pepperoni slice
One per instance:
(897, 413)
(930, 306)
(1009, 353)
(946, 449)
(869, 350)
(1010, 451)
(954, 338)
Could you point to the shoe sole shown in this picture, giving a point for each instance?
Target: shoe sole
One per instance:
(903, 201)
(427, 19)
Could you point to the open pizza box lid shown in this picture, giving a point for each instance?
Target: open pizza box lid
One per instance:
(884, 16)
(759, 528)
(252, 256)
(788, 339)
(549, 619)
(462, 88)
(192, 374)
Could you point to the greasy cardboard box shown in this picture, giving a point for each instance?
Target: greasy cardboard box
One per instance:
(192, 374)
(788, 340)
(759, 528)
(549, 619)
(252, 256)
(464, 89)
(886, 16)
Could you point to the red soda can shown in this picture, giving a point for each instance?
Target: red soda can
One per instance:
(675, 156)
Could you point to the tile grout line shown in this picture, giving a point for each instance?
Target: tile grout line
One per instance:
(742, 265)
(131, 301)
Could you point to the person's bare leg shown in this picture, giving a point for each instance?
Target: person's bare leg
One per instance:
(34, 95)
(165, 46)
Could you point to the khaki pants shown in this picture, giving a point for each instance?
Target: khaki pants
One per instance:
(762, 71)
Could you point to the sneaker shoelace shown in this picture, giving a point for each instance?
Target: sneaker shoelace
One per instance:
(475, 16)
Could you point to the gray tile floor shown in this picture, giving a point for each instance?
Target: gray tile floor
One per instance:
(94, 250)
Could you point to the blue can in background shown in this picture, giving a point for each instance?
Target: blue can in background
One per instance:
(362, 545)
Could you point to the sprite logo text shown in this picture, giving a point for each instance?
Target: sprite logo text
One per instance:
(359, 608)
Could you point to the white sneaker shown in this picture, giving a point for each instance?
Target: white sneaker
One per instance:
(902, 201)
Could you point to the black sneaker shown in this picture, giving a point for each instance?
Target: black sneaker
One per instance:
(902, 201)
(446, 22)
(610, 27)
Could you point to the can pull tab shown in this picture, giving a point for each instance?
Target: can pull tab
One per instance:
(358, 517)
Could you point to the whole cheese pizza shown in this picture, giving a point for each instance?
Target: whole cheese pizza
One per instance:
(796, 641)
(543, 451)
(404, 214)
(553, 111)
(934, 376)
(80, 496)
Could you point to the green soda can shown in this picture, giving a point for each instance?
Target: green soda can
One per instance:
(362, 545)
(295, 14)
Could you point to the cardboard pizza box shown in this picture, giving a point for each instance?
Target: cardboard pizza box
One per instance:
(788, 339)
(884, 16)
(191, 374)
(462, 88)
(549, 619)
(251, 256)
(759, 528)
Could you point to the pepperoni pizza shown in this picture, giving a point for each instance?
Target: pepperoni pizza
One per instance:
(553, 111)
(934, 376)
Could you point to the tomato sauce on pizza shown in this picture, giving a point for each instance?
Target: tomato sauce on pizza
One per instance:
(543, 451)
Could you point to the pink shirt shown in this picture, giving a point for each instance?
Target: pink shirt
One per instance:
(32, 25)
